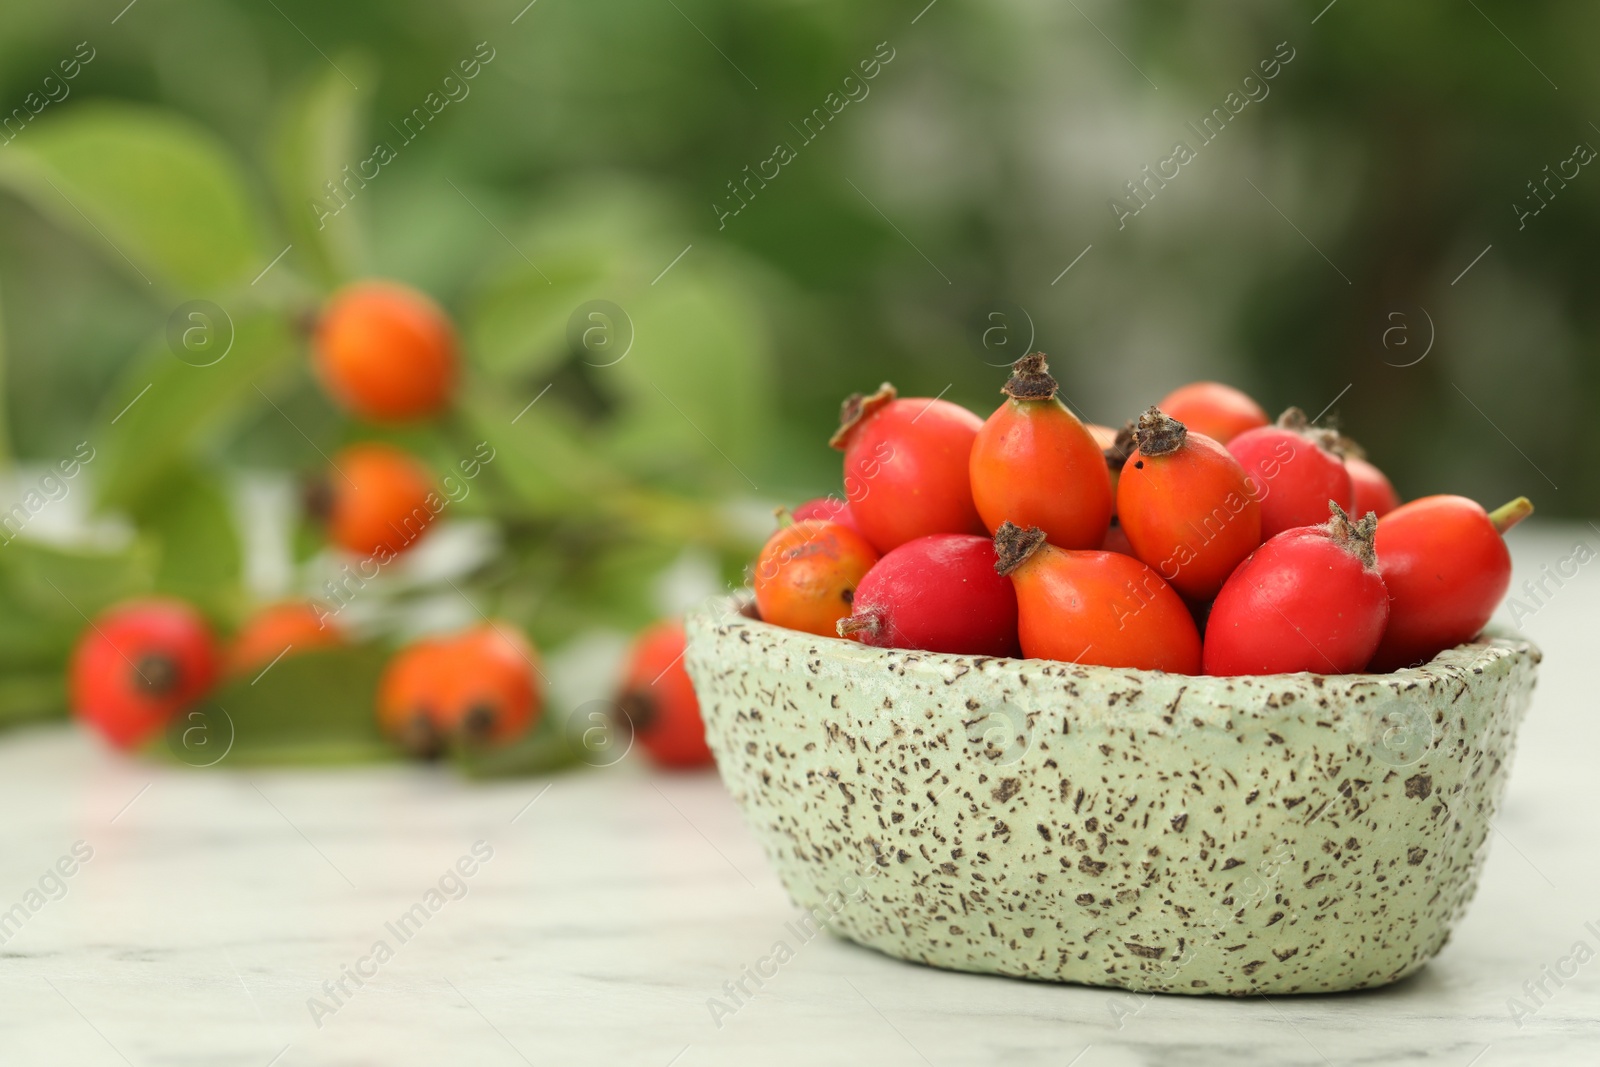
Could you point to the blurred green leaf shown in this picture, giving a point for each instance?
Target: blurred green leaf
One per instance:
(7, 445)
(32, 697)
(315, 706)
(47, 596)
(190, 518)
(318, 136)
(696, 382)
(543, 749)
(517, 327)
(152, 190)
(539, 453)
(164, 408)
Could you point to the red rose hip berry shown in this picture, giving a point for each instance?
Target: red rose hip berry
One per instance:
(1310, 599)
(939, 593)
(1035, 464)
(1185, 504)
(828, 509)
(905, 466)
(1295, 470)
(138, 665)
(1094, 607)
(1446, 569)
(1374, 492)
(659, 700)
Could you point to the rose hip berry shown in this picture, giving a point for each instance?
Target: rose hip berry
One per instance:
(905, 466)
(281, 629)
(806, 576)
(496, 694)
(478, 687)
(1310, 599)
(138, 665)
(1117, 541)
(659, 700)
(1219, 411)
(828, 509)
(939, 593)
(1446, 569)
(1295, 470)
(1035, 464)
(1185, 504)
(1104, 436)
(1373, 490)
(377, 501)
(386, 352)
(1094, 607)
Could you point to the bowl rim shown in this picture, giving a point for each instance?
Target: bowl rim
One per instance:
(1492, 647)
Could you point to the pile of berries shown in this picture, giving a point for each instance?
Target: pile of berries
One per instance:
(1201, 538)
(386, 354)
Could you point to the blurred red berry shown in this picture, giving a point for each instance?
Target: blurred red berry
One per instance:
(659, 700)
(138, 665)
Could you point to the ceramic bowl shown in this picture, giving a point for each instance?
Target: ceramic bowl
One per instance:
(1274, 834)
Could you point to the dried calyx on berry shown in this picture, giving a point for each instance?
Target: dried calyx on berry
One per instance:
(1013, 545)
(157, 674)
(868, 623)
(1158, 434)
(420, 736)
(1355, 536)
(855, 410)
(638, 710)
(1119, 450)
(1030, 379)
(1329, 440)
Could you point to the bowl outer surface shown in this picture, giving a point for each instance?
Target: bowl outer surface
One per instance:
(1273, 834)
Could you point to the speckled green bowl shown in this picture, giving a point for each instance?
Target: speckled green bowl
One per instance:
(1276, 834)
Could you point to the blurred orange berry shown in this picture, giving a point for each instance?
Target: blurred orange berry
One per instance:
(479, 687)
(292, 626)
(376, 501)
(386, 352)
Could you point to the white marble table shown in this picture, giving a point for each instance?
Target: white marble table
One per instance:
(217, 903)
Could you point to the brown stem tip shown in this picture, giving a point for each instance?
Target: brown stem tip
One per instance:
(851, 625)
(1158, 434)
(1013, 545)
(1355, 537)
(1030, 379)
(855, 410)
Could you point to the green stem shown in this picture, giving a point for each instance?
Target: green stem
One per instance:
(1508, 515)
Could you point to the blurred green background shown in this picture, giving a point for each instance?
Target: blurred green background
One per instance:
(1359, 238)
